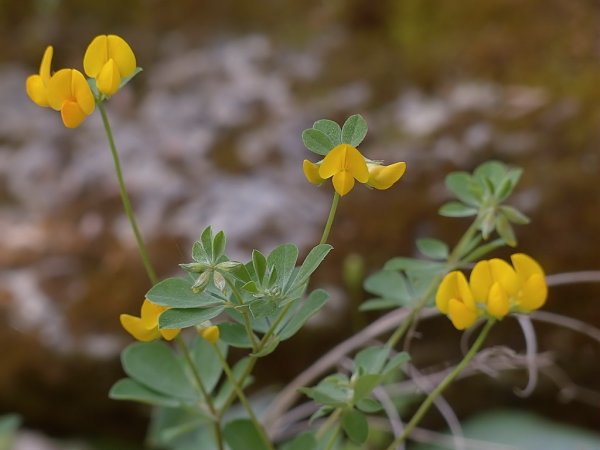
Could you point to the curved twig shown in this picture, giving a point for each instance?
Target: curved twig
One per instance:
(530, 353)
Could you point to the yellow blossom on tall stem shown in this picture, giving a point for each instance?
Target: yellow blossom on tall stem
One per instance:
(69, 93)
(345, 164)
(384, 177)
(109, 59)
(145, 328)
(37, 85)
(455, 298)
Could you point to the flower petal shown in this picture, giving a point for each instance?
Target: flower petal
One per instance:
(384, 177)
(503, 273)
(343, 182)
(333, 162)
(356, 164)
(497, 302)
(211, 334)
(120, 51)
(150, 313)
(134, 326)
(59, 88)
(311, 172)
(96, 55)
(534, 293)
(169, 334)
(72, 114)
(461, 315)
(36, 90)
(481, 281)
(109, 78)
(46, 64)
(82, 92)
(525, 266)
(453, 286)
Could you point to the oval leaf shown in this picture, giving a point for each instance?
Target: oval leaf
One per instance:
(183, 318)
(355, 426)
(177, 293)
(316, 141)
(433, 248)
(331, 129)
(129, 389)
(354, 130)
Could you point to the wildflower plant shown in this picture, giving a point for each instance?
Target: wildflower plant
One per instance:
(190, 322)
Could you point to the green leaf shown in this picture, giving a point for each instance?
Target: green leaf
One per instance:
(304, 441)
(315, 301)
(227, 388)
(461, 185)
(218, 246)
(369, 405)
(488, 223)
(388, 284)
(514, 215)
(183, 318)
(456, 209)
(321, 412)
(396, 361)
(354, 130)
(376, 304)
(355, 426)
(177, 293)
(505, 230)
(234, 334)
(207, 362)
(314, 258)
(371, 359)
(331, 391)
(259, 263)
(433, 248)
(154, 365)
(331, 129)
(283, 259)
(413, 265)
(364, 385)
(241, 434)
(127, 79)
(129, 389)
(268, 348)
(494, 171)
(316, 141)
(262, 307)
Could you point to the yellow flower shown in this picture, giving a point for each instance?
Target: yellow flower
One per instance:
(108, 59)
(145, 327)
(455, 299)
(345, 164)
(69, 93)
(311, 172)
(211, 334)
(384, 177)
(37, 85)
(495, 289)
(534, 290)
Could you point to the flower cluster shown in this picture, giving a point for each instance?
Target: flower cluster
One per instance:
(108, 60)
(345, 164)
(495, 288)
(145, 328)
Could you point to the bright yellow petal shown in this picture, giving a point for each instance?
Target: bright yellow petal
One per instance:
(461, 315)
(134, 326)
(481, 281)
(533, 294)
(72, 114)
(36, 90)
(169, 334)
(503, 273)
(82, 92)
(96, 55)
(384, 177)
(343, 182)
(497, 302)
(311, 172)
(59, 88)
(453, 286)
(333, 162)
(525, 266)
(355, 163)
(121, 53)
(150, 313)
(211, 334)
(45, 65)
(109, 79)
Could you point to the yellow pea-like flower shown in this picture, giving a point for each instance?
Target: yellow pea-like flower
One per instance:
(37, 85)
(455, 299)
(69, 93)
(384, 177)
(145, 328)
(532, 279)
(109, 59)
(494, 283)
(211, 334)
(311, 172)
(345, 164)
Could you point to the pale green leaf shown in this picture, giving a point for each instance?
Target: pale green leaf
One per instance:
(183, 318)
(177, 293)
(316, 141)
(354, 130)
(355, 425)
(331, 129)
(129, 389)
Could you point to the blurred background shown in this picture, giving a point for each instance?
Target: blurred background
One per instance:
(209, 133)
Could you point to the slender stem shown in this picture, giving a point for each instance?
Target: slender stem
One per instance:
(332, 419)
(244, 313)
(243, 400)
(334, 205)
(125, 197)
(205, 394)
(443, 385)
(333, 438)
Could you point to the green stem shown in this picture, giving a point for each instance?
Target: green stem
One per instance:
(125, 197)
(332, 419)
(333, 438)
(334, 205)
(443, 385)
(244, 313)
(205, 394)
(242, 397)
